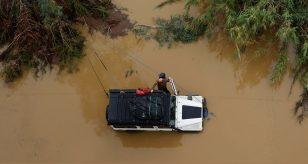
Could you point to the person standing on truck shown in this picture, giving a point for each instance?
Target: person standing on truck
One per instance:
(161, 83)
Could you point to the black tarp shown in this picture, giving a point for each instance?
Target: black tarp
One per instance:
(127, 108)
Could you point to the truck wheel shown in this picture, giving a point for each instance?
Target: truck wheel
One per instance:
(107, 112)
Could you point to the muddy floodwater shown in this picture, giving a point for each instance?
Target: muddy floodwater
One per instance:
(61, 118)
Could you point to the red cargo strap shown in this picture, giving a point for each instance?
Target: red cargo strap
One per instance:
(143, 91)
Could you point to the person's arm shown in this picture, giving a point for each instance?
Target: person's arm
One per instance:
(155, 84)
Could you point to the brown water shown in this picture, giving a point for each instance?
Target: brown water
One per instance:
(61, 118)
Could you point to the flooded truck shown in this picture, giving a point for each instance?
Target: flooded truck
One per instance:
(155, 111)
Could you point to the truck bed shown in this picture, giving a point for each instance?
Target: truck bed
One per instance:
(126, 108)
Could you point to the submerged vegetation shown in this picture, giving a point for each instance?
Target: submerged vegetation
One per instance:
(180, 28)
(245, 22)
(39, 33)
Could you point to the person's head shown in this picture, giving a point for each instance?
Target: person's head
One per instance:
(162, 75)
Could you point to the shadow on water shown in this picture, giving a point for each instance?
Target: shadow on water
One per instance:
(256, 61)
(150, 139)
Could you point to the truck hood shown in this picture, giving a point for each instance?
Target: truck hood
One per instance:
(189, 113)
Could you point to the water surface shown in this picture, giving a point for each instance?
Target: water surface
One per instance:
(61, 118)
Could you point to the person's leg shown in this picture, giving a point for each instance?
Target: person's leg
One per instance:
(166, 91)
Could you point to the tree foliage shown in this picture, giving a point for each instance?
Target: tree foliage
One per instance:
(39, 33)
